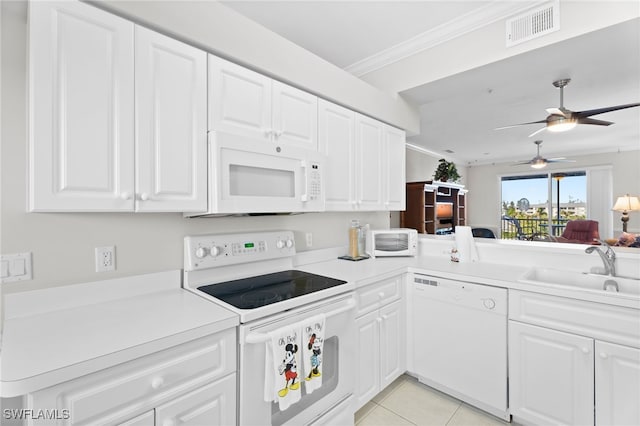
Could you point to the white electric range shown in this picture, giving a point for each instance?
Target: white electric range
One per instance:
(252, 274)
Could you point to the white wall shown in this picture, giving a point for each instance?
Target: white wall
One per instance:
(63, 244)
(484, 202)
(422, 165)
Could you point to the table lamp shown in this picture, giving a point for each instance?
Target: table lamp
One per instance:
(625, 205)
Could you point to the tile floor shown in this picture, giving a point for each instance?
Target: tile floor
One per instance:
(408, 402)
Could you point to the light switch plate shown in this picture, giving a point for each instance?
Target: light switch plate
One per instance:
(18, 267)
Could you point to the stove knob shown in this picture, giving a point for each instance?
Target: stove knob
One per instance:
(214, 251)
(280, 244)
(202, 252)
(289, 243)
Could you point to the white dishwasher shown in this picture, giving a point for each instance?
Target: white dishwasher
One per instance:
(459, 340)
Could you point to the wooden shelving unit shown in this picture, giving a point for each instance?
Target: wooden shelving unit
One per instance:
(434, 207)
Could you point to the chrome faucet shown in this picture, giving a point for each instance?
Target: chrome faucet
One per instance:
(608, 257)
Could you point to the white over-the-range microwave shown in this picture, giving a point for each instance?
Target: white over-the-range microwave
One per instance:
(255, 176)
(392, 242)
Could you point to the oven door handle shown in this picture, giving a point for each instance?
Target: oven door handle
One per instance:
(264, 337)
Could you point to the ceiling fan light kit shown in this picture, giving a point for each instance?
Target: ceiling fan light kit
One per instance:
(561, 124)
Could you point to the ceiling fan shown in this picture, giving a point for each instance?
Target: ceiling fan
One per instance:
(562, 119)
(539, 162)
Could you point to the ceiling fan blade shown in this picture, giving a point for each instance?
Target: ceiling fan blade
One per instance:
(521, 124)
(556, 111)
(520, 163)
(586, 120)
(537, 131)
(560, 160)
(597, 111)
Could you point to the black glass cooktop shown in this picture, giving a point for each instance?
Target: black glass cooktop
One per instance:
(254, 292)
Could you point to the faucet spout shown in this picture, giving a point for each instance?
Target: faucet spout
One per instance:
(608, 257)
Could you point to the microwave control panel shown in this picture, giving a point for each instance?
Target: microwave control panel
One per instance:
(315, 185)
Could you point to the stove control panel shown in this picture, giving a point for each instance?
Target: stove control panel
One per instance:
(211, 251)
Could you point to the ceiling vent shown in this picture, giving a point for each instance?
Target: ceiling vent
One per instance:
(534, 23)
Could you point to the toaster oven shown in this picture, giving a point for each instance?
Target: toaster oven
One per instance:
(392, 242)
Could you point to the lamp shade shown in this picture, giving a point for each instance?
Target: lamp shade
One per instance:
(626, 204)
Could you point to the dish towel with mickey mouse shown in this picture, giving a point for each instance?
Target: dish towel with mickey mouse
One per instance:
(312, 351)
(282, 377)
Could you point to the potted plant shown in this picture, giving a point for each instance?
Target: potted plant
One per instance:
(446, 171)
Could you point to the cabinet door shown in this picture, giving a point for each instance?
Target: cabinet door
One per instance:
(294, 117)
(81, 108)
(239, 100)
(336, 134)
(368, 356)
(145, 419)
(211, 405)
(551, 376)
(617, 384)
(394, 179)
(392, 343)
(171, 130)
(369, 169)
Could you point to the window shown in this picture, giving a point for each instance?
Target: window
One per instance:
(541, 204)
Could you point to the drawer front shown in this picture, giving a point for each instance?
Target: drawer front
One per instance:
(596, 320)
(378, 294)
(118, 392)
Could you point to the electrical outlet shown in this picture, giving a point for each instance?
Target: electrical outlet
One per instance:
(309, 236)
(105, 259)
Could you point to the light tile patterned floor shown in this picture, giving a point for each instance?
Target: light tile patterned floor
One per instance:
(408, 402)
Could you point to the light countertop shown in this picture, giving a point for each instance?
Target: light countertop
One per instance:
(51, 346)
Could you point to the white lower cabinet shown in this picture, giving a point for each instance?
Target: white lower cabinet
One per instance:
(381, 339)
(190, 384)
(617, 384)
(572, 362)
(550, 376)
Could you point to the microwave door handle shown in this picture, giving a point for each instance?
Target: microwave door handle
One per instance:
(264, 337)
(305, 196)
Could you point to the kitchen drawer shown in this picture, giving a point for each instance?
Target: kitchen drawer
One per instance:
(378, 294)
(610, 323)
(119, 392)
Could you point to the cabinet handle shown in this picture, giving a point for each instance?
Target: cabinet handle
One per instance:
(157, 383)
(125, 195)
(604, 355)
(379, 320)
(278, 133)
(385, 317)
(585, 350)
(145, 197)
(381, 295)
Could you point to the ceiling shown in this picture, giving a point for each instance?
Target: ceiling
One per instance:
(459, 113)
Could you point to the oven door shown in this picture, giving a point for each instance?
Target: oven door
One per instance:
(254, 176)
(338, 377)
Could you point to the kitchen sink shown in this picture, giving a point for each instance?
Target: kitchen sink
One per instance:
(582, 280)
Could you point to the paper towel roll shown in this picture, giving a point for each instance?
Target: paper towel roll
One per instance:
(466, 245)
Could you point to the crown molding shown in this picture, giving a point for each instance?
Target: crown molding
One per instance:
(481, 17)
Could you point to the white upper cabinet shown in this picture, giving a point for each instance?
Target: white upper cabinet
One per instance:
(89, 149)
(369, 163)
(365, 159)
(81, 109)
(171, 124)
(250, 104)
(336, 135)
(394, 176)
